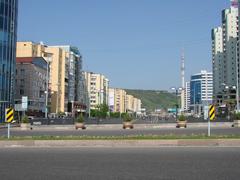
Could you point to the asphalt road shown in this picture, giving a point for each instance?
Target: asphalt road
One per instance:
(120, 163)
(120, 132)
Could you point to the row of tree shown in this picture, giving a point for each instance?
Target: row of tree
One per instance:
(102, 111)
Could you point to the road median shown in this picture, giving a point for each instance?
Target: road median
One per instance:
(121, 143)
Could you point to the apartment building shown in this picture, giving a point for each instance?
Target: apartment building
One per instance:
(66, 81)
(77, 94)
(218, 63)
(224, 53)
(58, 81)
(97, 88)
(117, 100)
(31, 78)
(133, 104)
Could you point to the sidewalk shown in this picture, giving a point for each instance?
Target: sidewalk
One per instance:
(120, 143)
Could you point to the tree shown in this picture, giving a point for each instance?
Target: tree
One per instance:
(101, 111)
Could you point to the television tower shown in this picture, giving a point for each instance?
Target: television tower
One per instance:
(234, 3)
(183, 81)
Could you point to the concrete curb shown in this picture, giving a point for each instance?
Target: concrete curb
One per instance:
(121, 143)
(136, 126)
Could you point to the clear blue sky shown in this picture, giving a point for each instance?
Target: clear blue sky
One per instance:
(135, 43)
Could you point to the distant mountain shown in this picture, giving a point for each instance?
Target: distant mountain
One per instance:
(153, 99)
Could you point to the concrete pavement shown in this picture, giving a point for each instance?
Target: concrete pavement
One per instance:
(122, 143)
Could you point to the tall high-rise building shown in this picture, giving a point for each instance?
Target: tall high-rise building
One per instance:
(217, 62)
(224, 53)
(8, 36)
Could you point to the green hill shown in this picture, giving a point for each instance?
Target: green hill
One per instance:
(152, 99)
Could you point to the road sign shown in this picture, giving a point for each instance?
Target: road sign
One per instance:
(211, 112)
(24, 102)
(9, 115)
(205, 112)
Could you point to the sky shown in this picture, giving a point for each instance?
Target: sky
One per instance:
(136, 44)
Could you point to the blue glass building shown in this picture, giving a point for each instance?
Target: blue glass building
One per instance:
(201, 91)
(8, 36)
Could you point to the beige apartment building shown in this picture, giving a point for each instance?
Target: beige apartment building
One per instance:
(58, 79)
(133, 104)
(57, 60)
(117, 100)
(97, 88)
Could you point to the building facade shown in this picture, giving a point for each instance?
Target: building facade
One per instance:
(31, 80)
(117, 100)
(66, 86)
(187, 97)
(97, 89)
(58, 79)
(201, 91)
(77, 95)
(8, 36)
(133, 105)
(224, 53)
(217, 62)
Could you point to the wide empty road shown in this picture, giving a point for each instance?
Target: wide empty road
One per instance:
(166, 163)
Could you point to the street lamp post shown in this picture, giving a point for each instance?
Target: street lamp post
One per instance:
(176, 91)
(237, 79)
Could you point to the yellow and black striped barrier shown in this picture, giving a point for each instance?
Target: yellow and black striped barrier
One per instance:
(212, 112)
(9, 115)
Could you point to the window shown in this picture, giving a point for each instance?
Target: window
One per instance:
(21, 92)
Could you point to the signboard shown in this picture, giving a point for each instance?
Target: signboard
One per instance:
(111, 101)
(9, 115)
(18, 107)
(212, 112)
(205, 112)
(172, 110)
(24, 102)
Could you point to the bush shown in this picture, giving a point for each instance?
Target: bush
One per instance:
(236, 116)
(182, 118)
(25, 119)
(115, 114)
(127, 118)
(80, 119)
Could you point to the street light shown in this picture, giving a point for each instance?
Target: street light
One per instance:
(176, 91)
